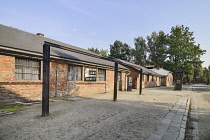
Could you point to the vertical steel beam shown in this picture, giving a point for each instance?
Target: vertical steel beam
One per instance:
(140, 87)
(115, 80)
(46, 77)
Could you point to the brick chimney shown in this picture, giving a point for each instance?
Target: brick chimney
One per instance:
(40, 34)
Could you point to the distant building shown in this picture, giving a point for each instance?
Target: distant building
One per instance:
(166, 76)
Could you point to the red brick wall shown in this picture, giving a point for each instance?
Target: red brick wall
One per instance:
(91, 87)
(169, 80)
(153, 81)
(135, 78)
(7, 66)
(32, 89)
(61, 74)
(11, 88)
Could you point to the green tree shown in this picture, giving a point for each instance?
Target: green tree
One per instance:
(102, 52)
(206, 74)
(157, 45)
(120, 50)
(182, 51)
(140, 51)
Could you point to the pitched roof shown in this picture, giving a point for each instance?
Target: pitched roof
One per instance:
(178, 70)
(145, 70)
(20, 40)
(161, 71)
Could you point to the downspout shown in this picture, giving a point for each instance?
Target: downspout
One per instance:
(56, 82)
(126, 78)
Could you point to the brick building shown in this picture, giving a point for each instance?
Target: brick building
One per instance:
(149, 77)
(74, 72)
(166, 76)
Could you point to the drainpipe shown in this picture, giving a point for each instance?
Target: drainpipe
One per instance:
(126, 78)
(56, 82)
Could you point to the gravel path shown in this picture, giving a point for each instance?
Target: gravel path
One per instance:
(202, 95)
(93, 117)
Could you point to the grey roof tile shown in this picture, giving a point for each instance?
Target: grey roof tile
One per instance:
(21, 40)
(161, 71)
(145, 70)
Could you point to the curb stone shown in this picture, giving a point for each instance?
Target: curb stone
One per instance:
(173, 124)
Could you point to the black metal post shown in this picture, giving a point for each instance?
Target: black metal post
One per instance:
(46, 77)
(140, 87)
(115, 80)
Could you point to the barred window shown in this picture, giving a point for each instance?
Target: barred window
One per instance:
(74, 73)
(90, 74)
(27, 69)
(101, 75)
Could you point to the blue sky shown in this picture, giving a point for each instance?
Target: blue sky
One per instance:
(98, 23)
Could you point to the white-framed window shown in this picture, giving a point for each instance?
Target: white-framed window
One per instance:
(27, 69)
(101, 75)
(74, 73)
(90, 74)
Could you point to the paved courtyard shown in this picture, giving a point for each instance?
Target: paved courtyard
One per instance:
(95, 117)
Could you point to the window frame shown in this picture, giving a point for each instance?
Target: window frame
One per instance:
(25, 68)
(104, 76)
(91, 75)
(76, 74)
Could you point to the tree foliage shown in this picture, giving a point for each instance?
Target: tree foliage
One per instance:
(171, 51)
(140, 51)
(120, 50)
(182, 51)
(157, 47)
(206, 74)
(102, 52)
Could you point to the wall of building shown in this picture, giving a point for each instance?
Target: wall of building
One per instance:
(167, 80)
(20, 89)
(65, 87)
(151, 81)
(135, 78)
(147, 81)
(59, 84)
